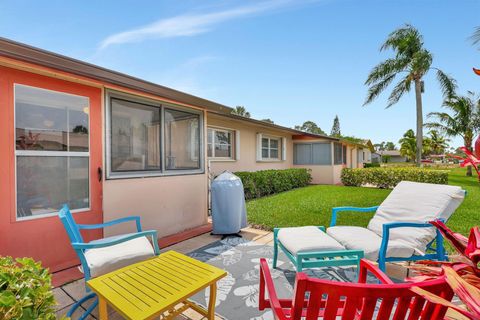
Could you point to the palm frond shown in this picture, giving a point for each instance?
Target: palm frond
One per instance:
(448, 85)
(385, 69)
(376, 89)
(405, 41)
(398, 91)
(475, 37)
(421, 62)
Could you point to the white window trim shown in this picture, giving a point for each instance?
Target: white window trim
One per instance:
(111, 175)
(234, 135)
(50, 154)
(280, 149)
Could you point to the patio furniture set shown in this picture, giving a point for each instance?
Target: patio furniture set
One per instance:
(128, 273)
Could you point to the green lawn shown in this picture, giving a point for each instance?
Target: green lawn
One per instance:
(313, 205)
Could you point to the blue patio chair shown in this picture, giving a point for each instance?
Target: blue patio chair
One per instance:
(399, 230)
(101, 256)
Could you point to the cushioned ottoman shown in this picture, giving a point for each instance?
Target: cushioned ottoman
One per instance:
(311, 247)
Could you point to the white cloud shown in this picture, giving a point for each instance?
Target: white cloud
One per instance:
(193, 24)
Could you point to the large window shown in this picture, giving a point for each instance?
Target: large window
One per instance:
(271, 148)
(337, 153)
(52, 151)
(220, 143)
(344, 155)
(149, 139)
(312, 153)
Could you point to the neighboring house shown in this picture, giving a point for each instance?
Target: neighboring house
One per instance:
(111, 145)
(393, 156)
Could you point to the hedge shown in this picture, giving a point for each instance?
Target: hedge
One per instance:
(266, 182)
(371, 165)
(390, 177)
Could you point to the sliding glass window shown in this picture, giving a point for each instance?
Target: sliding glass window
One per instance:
(149, 139)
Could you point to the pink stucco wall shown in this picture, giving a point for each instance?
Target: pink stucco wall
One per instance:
(168, 204)
(247, 160)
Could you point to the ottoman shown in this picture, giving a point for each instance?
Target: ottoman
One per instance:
(311, 247)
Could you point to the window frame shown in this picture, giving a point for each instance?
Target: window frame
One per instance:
(269, 148)
(48, 153)
(338, 159)
(232, 144)
(163, 171)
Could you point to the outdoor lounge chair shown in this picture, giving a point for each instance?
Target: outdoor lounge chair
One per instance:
(102, 256)
(399, 230)
(324, 299)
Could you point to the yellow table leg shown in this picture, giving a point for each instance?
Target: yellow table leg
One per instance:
(211, 301)
(102, 308)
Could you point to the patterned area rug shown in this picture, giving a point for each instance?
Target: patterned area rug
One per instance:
(237, 293)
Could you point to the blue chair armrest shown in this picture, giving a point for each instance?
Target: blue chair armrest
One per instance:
(393, 225)
(111, 223)
(111, 242)
(333, 222)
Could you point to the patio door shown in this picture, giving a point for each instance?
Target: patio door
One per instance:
(50, 132)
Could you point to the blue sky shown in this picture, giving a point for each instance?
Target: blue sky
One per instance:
(286, 60)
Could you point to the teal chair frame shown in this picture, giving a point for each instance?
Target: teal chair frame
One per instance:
(435, 249)
(80, 246)
(316, 259)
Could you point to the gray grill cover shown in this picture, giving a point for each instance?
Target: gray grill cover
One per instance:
(229, 214)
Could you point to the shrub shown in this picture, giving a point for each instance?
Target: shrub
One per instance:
(25, 290)
(371, 165)
(390, 177)
(266, 182)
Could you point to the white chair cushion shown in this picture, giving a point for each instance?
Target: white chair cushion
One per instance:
(108, 259)
(416, 202)
(307, 239)
(358, 238)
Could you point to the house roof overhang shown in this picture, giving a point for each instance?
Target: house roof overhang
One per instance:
(25, 53)
(295, 133)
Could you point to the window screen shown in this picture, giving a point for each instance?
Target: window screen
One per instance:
(312, 153)
(344, 155)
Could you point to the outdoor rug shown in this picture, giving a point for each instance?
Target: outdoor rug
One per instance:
(237, 293)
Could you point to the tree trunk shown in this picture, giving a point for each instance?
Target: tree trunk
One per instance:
(418, 100)
(468, 145)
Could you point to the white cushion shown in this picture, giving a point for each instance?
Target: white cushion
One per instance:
(416, 202)
(358, 238)
(105, 260)
(307, 239)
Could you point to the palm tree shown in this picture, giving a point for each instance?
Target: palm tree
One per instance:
(464, 122)
(438, 143)
(413, 62)
(408, 145)
(241, 111)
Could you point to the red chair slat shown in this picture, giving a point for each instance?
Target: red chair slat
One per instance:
(322, 299)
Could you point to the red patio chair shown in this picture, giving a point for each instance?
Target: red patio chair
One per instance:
(331, 299)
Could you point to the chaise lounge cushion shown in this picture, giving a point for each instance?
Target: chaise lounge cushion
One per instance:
(105, 260)
(419, 203)
(307, 239)
(358, 238)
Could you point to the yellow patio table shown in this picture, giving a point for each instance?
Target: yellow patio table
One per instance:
(157, 287)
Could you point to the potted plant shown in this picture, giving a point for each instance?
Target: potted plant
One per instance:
(25, 290)
(462, 273)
